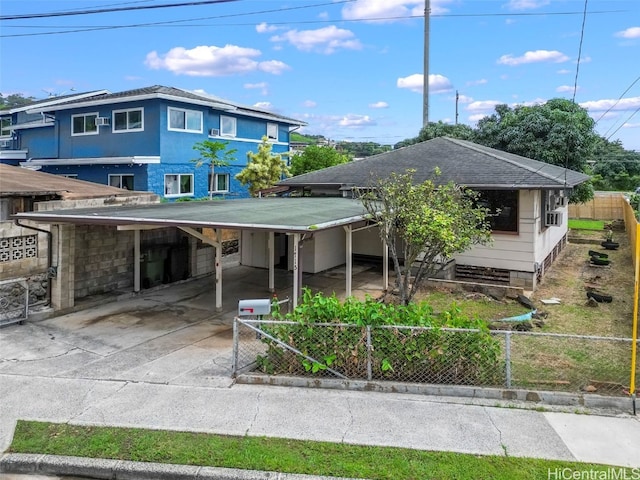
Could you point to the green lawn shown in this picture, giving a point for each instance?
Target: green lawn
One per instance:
(276, 454)
(578, 224)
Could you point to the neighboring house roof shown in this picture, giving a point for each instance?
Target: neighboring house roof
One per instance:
(52, 101)
(169, 93)
(465, 163)
(23, 182)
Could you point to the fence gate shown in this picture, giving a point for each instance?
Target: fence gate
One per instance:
(14, 301)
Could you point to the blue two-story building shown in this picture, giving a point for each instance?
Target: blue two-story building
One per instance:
(141, 139)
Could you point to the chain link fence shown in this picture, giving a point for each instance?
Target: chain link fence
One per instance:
(444, 356)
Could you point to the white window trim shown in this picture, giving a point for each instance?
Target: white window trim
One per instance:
(185, 129)
(84, 115)
(119, 175)
(8, 127)
(274, 126)
(177, 195)
(127, 130)
(215, 183)
(234, 133)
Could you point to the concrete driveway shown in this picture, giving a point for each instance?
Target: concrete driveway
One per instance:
(170, 335)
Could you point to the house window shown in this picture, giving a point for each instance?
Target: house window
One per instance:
(121, 181)
(185, 120)
(503, 209)
(5, 127)
(128, 120)
(220, 183)
(84, 124)
(227, 126)
(272, 131)
(178, 185)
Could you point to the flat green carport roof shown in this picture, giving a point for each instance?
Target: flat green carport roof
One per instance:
(276, 214)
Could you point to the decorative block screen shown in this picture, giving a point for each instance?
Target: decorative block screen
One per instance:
(18, 248)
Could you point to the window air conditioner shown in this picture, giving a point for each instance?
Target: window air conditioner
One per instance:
(5, 143)
(214, 132)
(553, 219)
(100, 121)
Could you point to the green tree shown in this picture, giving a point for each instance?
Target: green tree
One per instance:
(14, 100)
(213, 154)
(424, 225)
(439, 129)
(558, 132)
(264, 168)
(314, 157)
(615, 168)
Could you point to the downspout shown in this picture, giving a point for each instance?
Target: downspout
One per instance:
(49, 256)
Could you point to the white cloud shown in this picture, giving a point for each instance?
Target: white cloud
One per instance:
(324, 40)
(565, 88)
(564, 71)
(476, 117)
(481, 81)
(464, 99)
(437, 83)
(263, 105)
(265, 28)
(633, 32)
(212, 61)
(620, 105)
(631, 125)
(483, 106)
(536, 56)
(389, 11)
(356, 121)
(309, 104)
(379, 105)
(526, 4)
(262, 86)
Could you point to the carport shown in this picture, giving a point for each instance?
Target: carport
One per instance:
(300, 218)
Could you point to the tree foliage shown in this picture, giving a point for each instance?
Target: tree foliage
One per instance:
(264, 168)
(14, 100)
(361, 149)
(615, 168)
(213, 154)
(439, 129)
(315, 158)
(558, 132)
(424, 225)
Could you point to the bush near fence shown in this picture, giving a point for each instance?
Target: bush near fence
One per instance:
(409, 343)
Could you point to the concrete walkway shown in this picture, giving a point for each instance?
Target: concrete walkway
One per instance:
(162, 360)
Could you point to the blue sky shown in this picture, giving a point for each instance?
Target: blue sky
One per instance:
(353, 70)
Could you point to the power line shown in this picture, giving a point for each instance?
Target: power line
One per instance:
(172, 23)
(584, 20)
(619, 98)
(622, 124)
(109, 10)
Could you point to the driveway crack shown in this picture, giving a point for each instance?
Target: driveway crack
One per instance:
(351, 421)
(255, 415)
(502, 445)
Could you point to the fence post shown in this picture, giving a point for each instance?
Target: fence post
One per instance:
(369, 349)
(507, 360)
(234, 356)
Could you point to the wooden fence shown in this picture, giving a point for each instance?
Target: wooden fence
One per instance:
(604, 206)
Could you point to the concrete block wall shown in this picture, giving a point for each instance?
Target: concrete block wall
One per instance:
(24, 267)
(103, 260)
(526, 280)
(63, 258)
(205, 260)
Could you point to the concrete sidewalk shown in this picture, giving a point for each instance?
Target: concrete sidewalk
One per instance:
(162, 361)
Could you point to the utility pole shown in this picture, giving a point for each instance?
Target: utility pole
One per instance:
(425, 94)
(457, 97)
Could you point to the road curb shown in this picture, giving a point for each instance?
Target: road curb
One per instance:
(100, 468)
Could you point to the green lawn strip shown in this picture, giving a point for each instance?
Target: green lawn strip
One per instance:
(579, 224)
(275, 454)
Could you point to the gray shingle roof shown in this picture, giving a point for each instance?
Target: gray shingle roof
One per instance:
(178, 94)
(463, 162)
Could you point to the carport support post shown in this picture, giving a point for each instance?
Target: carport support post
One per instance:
(218, 269)
(385, 265)
(271, 253)
(136, 260)
(349, 262)
(296, 260)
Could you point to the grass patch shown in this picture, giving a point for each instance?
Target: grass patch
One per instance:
(579, 224)
(276, 454)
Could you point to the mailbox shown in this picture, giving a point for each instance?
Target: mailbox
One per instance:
(258, 306)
